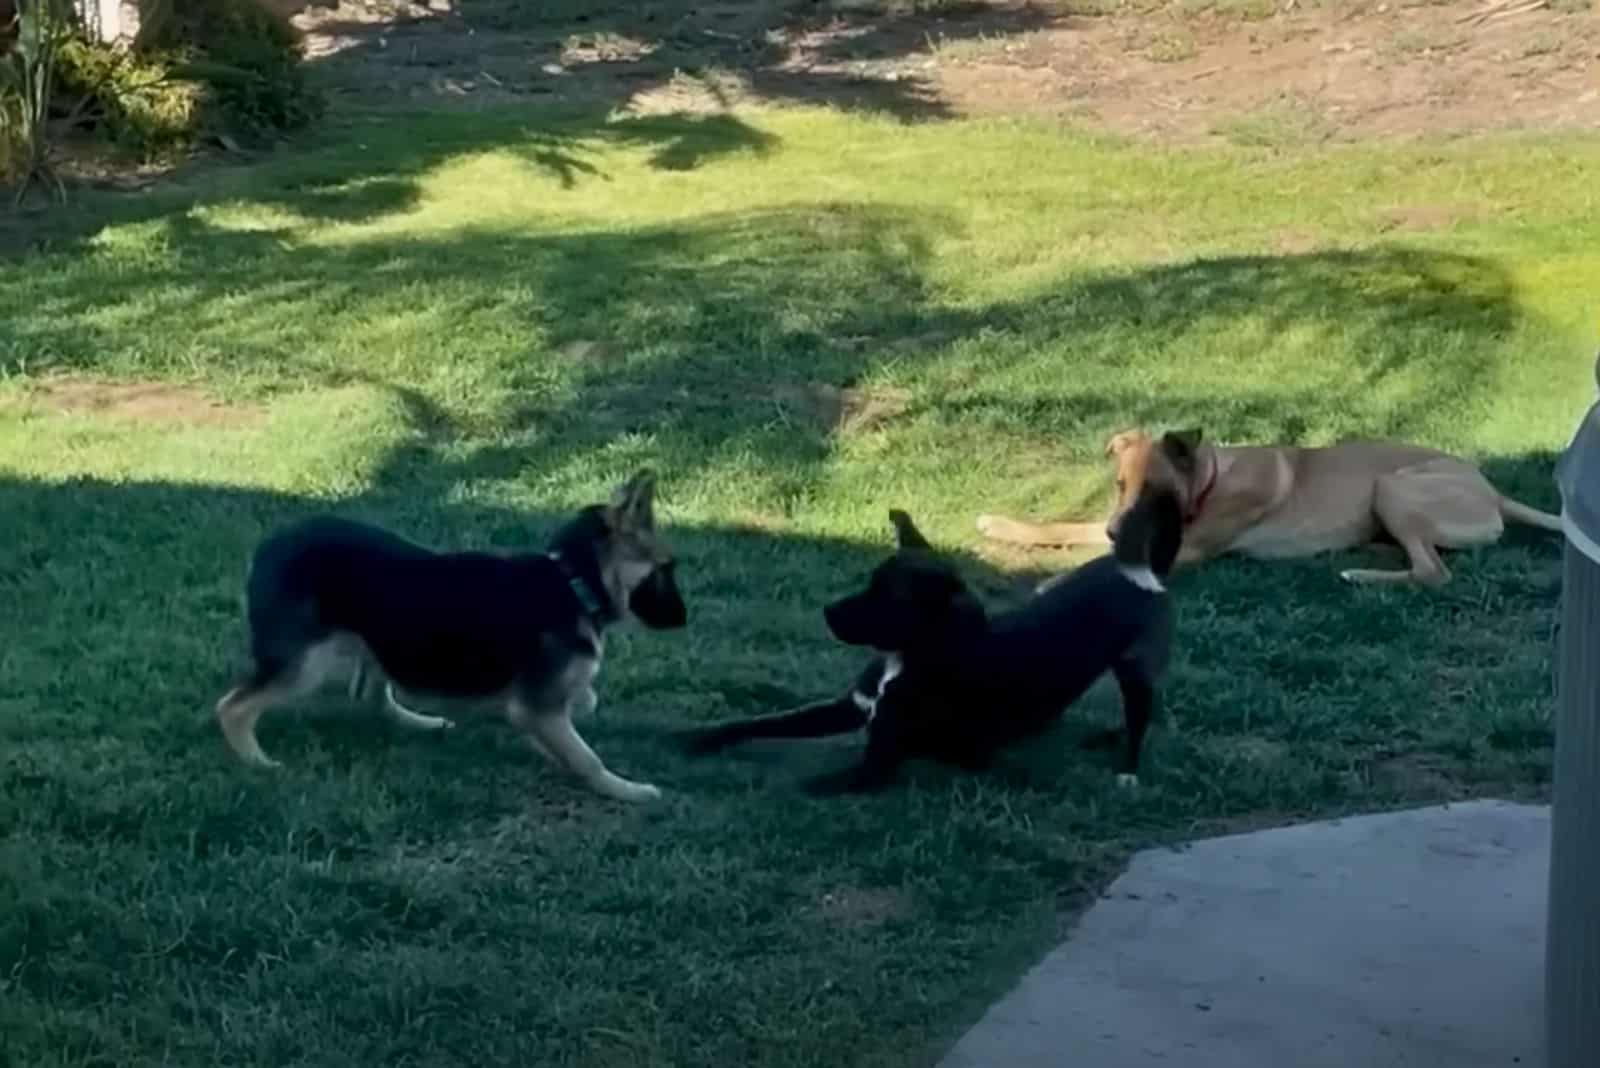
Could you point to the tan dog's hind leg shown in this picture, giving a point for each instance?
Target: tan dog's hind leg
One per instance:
(1021, 532)
(1426, 566)
(1442, 504)
(552, 733)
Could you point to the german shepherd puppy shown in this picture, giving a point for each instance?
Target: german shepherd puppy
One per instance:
(329, 596)
(955, 684)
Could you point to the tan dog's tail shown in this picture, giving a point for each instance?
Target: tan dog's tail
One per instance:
(1521, 513)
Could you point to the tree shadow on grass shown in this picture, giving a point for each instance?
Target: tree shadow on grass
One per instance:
(702, 60)
(757, 338)
(333, 182)
(1386, 307)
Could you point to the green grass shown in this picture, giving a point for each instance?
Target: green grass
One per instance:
(466, 326)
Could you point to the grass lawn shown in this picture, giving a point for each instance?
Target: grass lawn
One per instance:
(465, 326)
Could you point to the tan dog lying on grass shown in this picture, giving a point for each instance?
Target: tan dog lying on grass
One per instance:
(1282, 501)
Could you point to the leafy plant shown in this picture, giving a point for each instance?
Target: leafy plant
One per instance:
(146, 104)
(247, 57)
(27, 82)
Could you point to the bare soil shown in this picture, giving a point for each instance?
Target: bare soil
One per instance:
(1181, 72)
(148, 402)
(854, 906)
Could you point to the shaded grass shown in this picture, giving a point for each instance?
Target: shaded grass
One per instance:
(439, 326)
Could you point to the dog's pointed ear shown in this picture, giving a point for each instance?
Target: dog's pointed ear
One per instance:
(632, 504)
(1123, 440)
(1181, 444)
(906, 531)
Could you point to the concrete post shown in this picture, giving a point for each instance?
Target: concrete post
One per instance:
(1572, 956)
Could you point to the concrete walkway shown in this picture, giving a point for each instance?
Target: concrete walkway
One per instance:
(1406, 940)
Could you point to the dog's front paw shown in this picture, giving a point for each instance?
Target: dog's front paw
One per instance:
(987, 524)
(1126, 781)
(637, 793)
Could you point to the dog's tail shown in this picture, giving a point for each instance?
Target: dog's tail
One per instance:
(1521, 513)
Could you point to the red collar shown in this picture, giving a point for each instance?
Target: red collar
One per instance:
(1199, 500)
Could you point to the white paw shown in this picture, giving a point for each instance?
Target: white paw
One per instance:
(620, 789)
(1348, 574)
(1127, 782)
(986, 524)
(638, 793)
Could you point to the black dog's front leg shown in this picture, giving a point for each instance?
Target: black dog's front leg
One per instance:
(811, 721)
(1138, 709)
(885, 753)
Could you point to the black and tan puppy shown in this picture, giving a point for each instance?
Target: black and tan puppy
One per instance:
(527, 631)
(955, 684)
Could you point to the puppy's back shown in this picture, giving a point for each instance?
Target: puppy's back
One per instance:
(1069, 635)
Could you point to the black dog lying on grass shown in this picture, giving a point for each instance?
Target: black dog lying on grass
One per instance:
(955, 684)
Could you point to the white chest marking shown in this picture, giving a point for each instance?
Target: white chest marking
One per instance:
(1143, 578)
(869, 705)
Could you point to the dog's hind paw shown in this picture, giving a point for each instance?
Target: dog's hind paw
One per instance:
(1126, 781)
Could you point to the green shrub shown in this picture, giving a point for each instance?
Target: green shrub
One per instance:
(247, 58)
(139, 102)
(36, 31)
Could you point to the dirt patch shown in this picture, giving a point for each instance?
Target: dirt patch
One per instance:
(816, 406)
(848, 409)
(589, 352)
(1257, 75)
(1415, 775)
(1418, 218)
(1341, 72)
(147, 402)
(1293, 242)
(1263, 752)
(856, 907)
